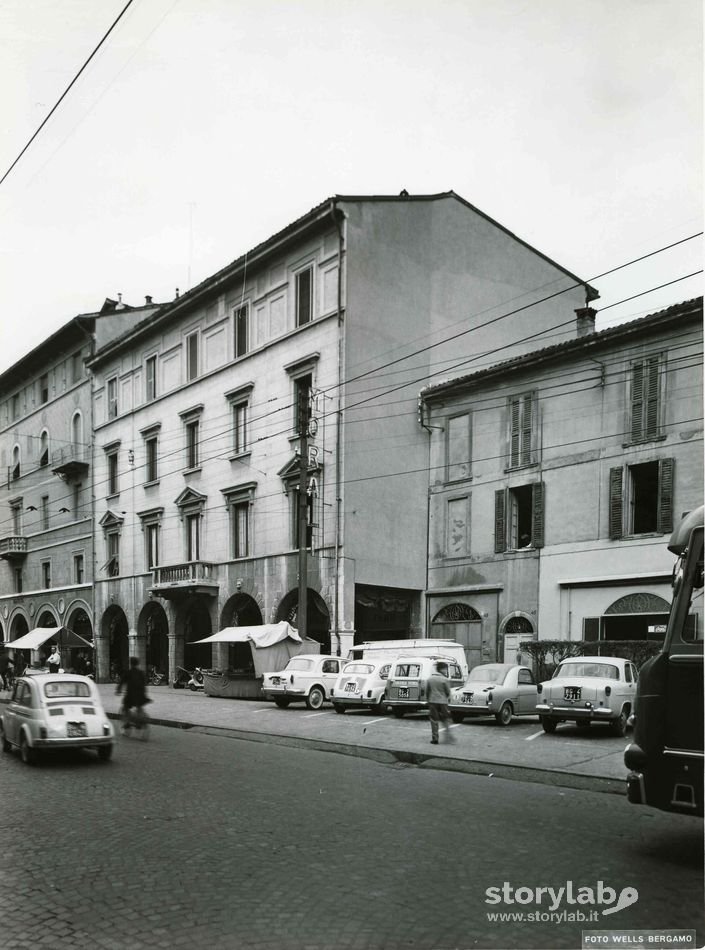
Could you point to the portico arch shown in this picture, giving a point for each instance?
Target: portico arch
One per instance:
(240, 610)
(153, 627)
(318, 616)
(114, 630)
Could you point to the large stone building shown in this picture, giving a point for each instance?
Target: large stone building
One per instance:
(556, 479)
(46, 497)
(196, 474)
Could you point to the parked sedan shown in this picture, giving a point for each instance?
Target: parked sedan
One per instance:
(588, 689)
(361, 685)
(55, 711)
(306, 678)
(502, 690)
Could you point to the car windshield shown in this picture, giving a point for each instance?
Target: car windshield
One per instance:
(488, 674)
(66, 689)
(359, 668)
(299, 664)
(603, 670)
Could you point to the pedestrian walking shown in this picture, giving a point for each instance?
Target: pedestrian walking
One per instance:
(54, 660)
(438, 697)
(135, 683)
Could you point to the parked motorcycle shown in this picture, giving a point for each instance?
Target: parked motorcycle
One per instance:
(188, 679)
(154, 677)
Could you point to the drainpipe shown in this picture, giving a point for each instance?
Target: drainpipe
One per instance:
(338, 422)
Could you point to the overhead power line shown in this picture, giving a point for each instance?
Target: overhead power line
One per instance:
(68, 88)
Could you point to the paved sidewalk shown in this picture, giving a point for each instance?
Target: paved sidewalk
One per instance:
(481, 749)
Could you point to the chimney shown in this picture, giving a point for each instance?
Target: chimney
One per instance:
(177, 293)
(120, 305)
(585, 322)
(147, 300)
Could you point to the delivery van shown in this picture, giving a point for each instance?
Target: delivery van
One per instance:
(424, 647)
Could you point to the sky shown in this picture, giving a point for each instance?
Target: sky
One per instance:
(202, 127)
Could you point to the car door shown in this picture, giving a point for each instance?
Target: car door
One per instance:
(330, 671)
(629, 685)
(526, 692)
(16, 711)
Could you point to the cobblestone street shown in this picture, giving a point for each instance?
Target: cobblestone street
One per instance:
(200, 841)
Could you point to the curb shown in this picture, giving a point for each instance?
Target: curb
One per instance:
(401, 758)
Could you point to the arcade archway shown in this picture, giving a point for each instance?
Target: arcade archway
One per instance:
(240, 610)
(115, 630)
(195, 622)
(153, 626)
(318, 617)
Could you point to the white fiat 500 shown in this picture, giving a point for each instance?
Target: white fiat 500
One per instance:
(55, 711)
(587, 689)
(307, 678)
(361, 685)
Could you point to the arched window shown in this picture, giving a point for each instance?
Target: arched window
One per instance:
(16, 472)
(44, 448)
(77, 431)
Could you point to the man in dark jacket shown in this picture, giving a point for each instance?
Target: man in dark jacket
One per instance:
(438, 697)
(135, 683)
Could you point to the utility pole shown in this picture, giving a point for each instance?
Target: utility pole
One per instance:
(304, 415)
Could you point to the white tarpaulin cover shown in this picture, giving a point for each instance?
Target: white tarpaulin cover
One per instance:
(35, 638)
(262, 635)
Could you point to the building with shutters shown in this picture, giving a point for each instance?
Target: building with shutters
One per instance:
(556, 479)
(354, 306)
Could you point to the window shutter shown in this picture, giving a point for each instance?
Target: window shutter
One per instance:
(526, 430)
(665, 496)
(500, 522)
(537, 514)
(591, 628)
(637, 401)
(616, 476)
(514, 435)
(651, 397)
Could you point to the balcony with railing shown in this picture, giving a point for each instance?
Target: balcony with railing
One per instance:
(174, 580)
(70, 460)
(13, 547)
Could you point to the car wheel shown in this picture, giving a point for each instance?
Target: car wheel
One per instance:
(315, 698)
(339, 709)
(504, 716)
(105, 752)
(583, 725)
(549, 725)
(618, 726)
(281, 702)
(382, 707)
(457, 717)
(398, 713)
(29, 756)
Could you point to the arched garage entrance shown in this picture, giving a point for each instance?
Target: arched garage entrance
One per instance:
(462, 623)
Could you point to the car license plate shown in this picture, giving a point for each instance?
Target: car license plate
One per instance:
(74, 730)
(350, 687)
(571, 693)
(467, 697)
(403, 692)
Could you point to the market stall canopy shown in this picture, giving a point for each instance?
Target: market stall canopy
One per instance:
(35, 638)
(261, 635)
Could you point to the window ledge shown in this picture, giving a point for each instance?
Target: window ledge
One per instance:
(644, 441)
(113, 497)
(192, 471)
(151, 484)
(457, 482)
(520, 468)
(240, 456)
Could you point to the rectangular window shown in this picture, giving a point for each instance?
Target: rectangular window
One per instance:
(241, 317)
(646, 399)
(302, 400)
(152, 539)
(16, 519)
(112, 566)
(151, 465)
(150, 378)
(240, 519)
(193, 537)
(77, 489)
(458, 527)
(45, 512)
(44, 388)
(75, 367)
(113, 482)
(112, 397)
(240, 428)
(18, 580)
(78, 573)
(458, 447)
(641, 499)
(304, 296)
(192, 356)
(16, 406)
(521, 424)
(192, 444)
(519, 517)
(294, 514)
(46, 574)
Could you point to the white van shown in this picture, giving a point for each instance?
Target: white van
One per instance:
(425, 647)
(408, 680)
